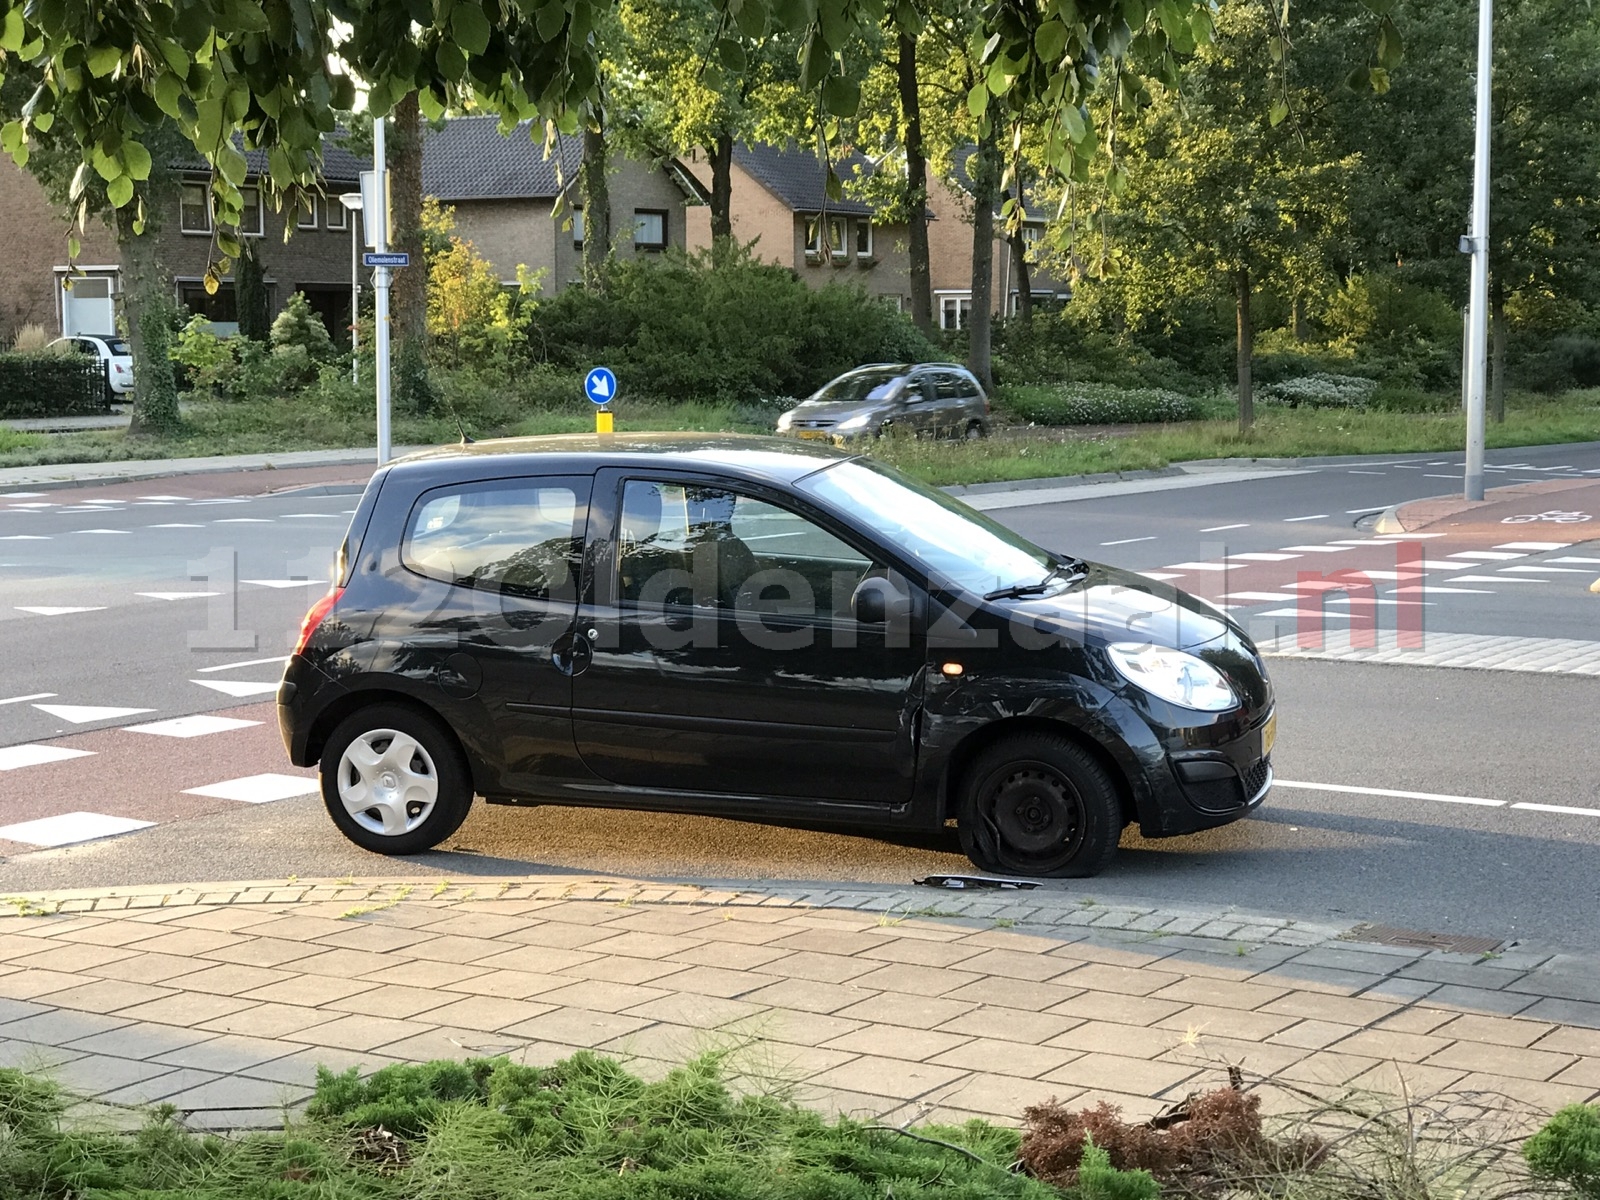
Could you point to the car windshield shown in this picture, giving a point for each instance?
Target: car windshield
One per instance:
(118, 347)
(875, 383)
(955, 544)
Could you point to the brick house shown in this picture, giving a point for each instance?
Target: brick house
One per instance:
(950, 253)
(505, 189)
(780, 202)
(315, 260)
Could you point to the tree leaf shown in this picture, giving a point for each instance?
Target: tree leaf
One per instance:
(841, 96)
(11, 30)
(167, 90)
(551, 19)
(136, 159)
(212, 282)
(1358, 80)
(102, 59)
(232, 164)
(1280, 110)
(978, 100)
(1390, 48)
(752, 18)
(471, 27)
(43, 121)
(1050, 41)
(119, 191)
(1379, 79)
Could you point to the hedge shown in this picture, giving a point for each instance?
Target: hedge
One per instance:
(51, 385)
(1098, 404)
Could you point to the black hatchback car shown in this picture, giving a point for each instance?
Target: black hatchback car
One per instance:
(759, 629)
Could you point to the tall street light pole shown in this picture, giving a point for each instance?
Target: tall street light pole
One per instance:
(352, 206)
(379, 237)
(1476, 243)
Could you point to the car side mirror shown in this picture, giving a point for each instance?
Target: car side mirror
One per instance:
(879, 600)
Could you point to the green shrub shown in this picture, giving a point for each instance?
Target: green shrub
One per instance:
(51, 385)
(1569, 361)
(677, 329)
(1568, 1149)
(299, 325)
(1390, 397)
(210, 363)
(1322, 390)
(1098, 404)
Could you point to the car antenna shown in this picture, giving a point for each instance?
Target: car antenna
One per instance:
(465, 440)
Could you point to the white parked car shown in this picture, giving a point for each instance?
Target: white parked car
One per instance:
(113, 352)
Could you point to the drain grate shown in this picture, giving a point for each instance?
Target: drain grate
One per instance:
(1389, 935)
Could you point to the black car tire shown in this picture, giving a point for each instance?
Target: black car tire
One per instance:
(1039, 804)
(976, 430)
(438, 759)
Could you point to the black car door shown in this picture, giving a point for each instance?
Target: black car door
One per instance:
(724, 655)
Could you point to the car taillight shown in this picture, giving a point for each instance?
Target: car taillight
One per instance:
(314, 617)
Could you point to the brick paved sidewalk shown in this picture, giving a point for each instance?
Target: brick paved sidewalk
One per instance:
(222, 999)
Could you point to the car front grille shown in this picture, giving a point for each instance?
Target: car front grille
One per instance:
(1256, 778)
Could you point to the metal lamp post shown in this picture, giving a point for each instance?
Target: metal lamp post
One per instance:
(375, 221)
(1476, 243)
(352, 205)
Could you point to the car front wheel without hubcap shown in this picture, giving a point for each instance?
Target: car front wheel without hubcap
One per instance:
(1039, 805)
(393, 780)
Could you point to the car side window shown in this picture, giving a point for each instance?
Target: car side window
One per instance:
(684, 545)
(520, 537)
(950, 386)
(922, 388)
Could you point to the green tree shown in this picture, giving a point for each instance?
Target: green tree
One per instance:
(250, 294)
(1225, 187)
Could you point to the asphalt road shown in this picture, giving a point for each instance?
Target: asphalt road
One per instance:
(1442, 864)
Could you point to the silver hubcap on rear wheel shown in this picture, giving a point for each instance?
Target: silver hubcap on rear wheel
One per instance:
(387, 782)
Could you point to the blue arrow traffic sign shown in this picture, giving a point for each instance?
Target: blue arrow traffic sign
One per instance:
(396, 259)
(600, 385)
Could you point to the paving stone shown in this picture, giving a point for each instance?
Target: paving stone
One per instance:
(15, 1010)
(1542, 1098)
(922, 951)
(1502, 1060)
(1109, 1037)
(358, 1032)
(809, 995)
(1467, 999)
(31, 1057)
(240, 1092)
(378, 939)
(996, 1056)
(390, 1000)
(1585, 1073)
(227, 1054)
(69, 956)
(1125, 1010)
(262, 952)
(914, 1012)
(1349, 1010)
(1415, 1079)
(485, 1012)
(25, 985)
(915, 980)
(821, 967)
(107, 995)
(458, 1045)
(102, 1074)
(1558, 985)
(1405, 990)
(146, 968)
(538, 960)
(309, 990)
(267, 1020)
(1495, 1031)
(187, 1009)
(1388, 1043)
(60, 1027)
(138, 1039)
(482, 925)
(299, 1067)
(993, 1020)
(188, 942)
(578, 1027)
(916, 1045)
(702, 1012)
(788, 1025)
(1114, 1072)
(1228, 1022)
(1311, 1035)
(734, 956)
(1562, 1039)
(1565, 1012)
(1220, 993)
(159, 1087)
(1475, 975)
(623, 970)
(1214, 1053)
(1002, 1096)
(887, 1077)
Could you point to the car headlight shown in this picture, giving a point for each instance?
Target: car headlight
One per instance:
(853, 424)
(784, 421)
(1173, 675)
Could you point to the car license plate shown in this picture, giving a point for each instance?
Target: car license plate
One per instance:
(811, 433)
(1269, 734)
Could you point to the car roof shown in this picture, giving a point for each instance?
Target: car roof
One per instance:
(748, 456)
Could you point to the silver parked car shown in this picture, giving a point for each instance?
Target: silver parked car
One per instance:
(923, 399)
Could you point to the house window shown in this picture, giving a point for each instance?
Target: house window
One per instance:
(221, 308)
(649, 229)
(250, 218)
(338, 214)
(863, 239)
(306, 211)
(195, 208)
(1031, 234)
(836, 236)
(954, 311)
(577, 227)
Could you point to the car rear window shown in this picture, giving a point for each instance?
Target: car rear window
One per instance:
(523, 538)
(118, 347)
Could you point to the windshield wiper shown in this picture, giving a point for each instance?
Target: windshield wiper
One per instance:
(1067, 569)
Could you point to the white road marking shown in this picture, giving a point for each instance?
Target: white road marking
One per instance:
(1119, 542)
(1197, 566)
(1254, 556)
(25, 537)
(1551, 570)
(153, 503)
(1312, 517)
(243, 521)
(1220, 528)
(21, 495)
(45, 610)
(1488, 555)
(258, 789)
(1303, 614)
(1368, 791)
(1355, 512)
(188, 727)
(335, 517)
(1369, 541)
(30, 696)
(38, 505)
(1318, 549)
(1260, 596)
(1160, 575)
(251, 662)
(99, 531)
(85, 714)
(30, 754)
(1558, 808)
(281, 583)
(69, 829)
(1573, 558)
(177, 595)
(1431, 476)
(1434, 564)
(1368, 509)
(1533, 546)
(164, 498)
(237, 688)
(1347, 600)
(1496, 579)
(1404, 537)
(1432, 588)
(193, 503)
(175, 525)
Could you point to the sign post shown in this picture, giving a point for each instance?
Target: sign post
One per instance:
(600, 386)
(377, 224)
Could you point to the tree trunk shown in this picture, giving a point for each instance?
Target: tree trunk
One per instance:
(1019, 263)
(983, 168)
(916, 184)
(147, 309)
(250, 293)
(596, 206)
(408, 289)
(1301, 324)
(1497, 353)
(721, 195)
(1246, 335)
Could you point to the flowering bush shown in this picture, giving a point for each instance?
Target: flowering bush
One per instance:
(1099, 404)
(1320, 391)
